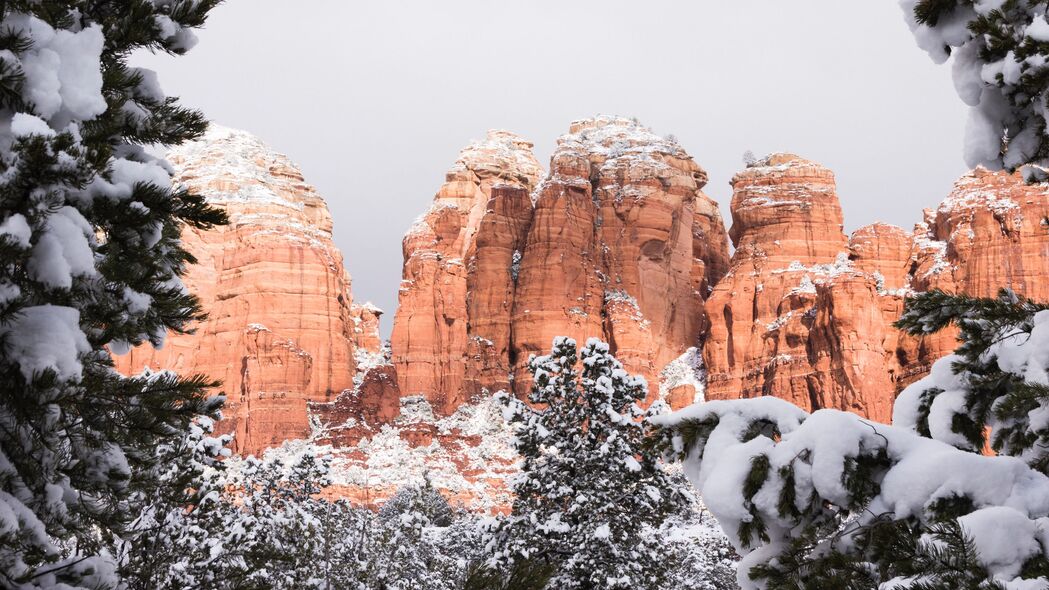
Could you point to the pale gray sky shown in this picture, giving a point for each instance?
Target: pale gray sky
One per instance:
(374, 99)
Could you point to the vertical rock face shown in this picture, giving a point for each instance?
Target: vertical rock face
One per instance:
(280, 330)
(805, 316)
(622, 246)
(617, 241)
(987, 234)
(451, 331)
(787, 229)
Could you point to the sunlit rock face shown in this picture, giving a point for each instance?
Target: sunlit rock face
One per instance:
(807, 316)
(989, 233)
(281, 328)
(623, 246)
(617, 242)
(787, 229)
(451, 333)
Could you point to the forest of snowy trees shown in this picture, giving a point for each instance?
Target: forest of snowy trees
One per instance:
(109, 481)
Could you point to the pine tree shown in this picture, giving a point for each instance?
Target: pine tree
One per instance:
(414, 543)
(1000, 70)
(830, 500)
(589, 491)
(158, 550)
(254, 524)
(89, 259)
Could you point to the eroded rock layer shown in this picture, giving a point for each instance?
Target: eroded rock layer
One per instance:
(451, 332)
(807, 316)
(616, 242)
(281, 330)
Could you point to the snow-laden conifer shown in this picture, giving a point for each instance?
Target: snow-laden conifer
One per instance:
(589, 493)
(831, 500)
(999, 51)
(89, 259)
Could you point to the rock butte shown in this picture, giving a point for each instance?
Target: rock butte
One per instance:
(806, 314)
(281, 329)
(617, 241)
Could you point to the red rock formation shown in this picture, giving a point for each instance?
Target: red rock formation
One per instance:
(366, 336)
(803, 317)
(787, 229)
(623, 246)
(450, 333)
(357, 413)
(619, 244)
(987, 234)
(281, 330)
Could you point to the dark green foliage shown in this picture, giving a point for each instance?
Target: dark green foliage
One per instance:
(591, 494)
(84, 446)
(995, 398)
(754, 529)
(523, 575)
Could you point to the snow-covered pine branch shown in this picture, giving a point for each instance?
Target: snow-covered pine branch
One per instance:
(831, 499)
(89, 259)
(999, 50)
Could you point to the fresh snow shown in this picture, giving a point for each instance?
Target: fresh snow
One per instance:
(686, 369)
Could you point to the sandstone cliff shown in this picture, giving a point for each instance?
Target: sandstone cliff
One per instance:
(806, 316)
(623, 246)
(281, 329)
(617, 241)
(451, 332)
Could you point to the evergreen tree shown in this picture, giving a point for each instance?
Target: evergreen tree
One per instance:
(1000, 52)
(413, 543)
(830, 500)
(164, 532)
(89, 258)
(589, 492)
(255, 525)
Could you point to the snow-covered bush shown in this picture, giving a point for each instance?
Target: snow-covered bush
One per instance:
(831, 500)
(589, 492)
(1000, 51)
(264, 524)
(255, 524)
(89, 259)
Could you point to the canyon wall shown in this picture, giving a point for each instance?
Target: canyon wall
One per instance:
(281, 326)
(617, 241)
(806, 314)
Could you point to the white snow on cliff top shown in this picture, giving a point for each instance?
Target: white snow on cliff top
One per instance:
(233, 168)
(617, 137)
(501, 153)
(971, 191)
(230, 156)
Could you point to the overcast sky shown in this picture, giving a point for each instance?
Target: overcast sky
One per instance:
(374, 99)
